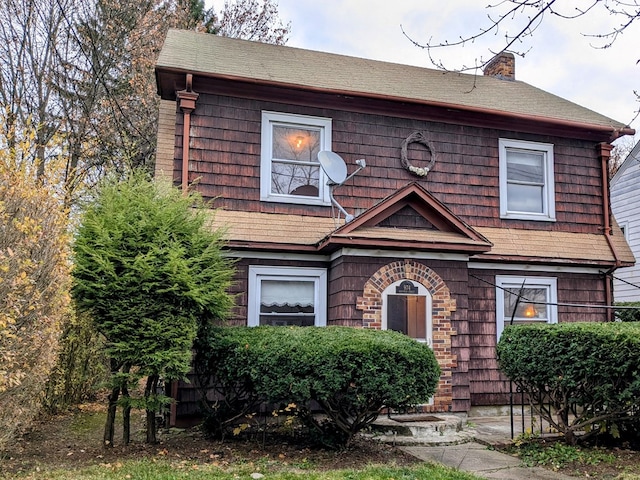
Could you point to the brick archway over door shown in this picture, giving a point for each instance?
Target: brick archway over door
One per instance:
(443, 305)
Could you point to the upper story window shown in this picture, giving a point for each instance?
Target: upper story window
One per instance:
(526, 180)
(537, 304)
(289, 170)
(624, 228)
(281, 296)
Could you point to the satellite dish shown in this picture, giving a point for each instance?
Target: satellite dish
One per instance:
(333, 166)
(336, 170)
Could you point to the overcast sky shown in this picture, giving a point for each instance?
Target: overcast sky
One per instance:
(560, 58)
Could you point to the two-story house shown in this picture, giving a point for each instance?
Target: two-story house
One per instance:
(476, 188)
(625, 203)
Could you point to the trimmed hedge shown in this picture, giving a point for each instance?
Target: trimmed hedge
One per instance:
(350, 373)
(627, 314)
(584, 378)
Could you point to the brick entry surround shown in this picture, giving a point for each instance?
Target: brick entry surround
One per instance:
(442, 306)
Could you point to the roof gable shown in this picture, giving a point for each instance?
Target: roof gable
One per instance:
(409, 218)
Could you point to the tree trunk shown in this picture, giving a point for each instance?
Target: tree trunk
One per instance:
(126, 412)
(40, 152)
(152, 383)
(109, 427)
(110, 423)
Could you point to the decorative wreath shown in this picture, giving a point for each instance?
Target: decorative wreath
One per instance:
(417, 137)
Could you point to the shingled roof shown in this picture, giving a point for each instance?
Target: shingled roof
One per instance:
(220, 57)
(277, 232)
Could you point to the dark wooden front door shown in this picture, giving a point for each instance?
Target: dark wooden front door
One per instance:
(408, 314)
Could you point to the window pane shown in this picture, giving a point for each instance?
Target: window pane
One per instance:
(297, 144)
(397, 313)
(286, 293)
(532, 307)
(288, 320)
(525, 198)
(295, 179)
(287, 302)
(525, 167)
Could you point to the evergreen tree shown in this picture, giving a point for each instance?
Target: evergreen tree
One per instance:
(148, 270)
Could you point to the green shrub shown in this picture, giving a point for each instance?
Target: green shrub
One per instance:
(559, 455)
(627, 314)
(583, 378)
(82, 367)
(226, 388)
(350, 373)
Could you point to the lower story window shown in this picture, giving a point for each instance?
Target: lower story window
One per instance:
(523, 300)
(281, 296)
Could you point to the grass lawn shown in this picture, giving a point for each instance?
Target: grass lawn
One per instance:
(68, 447)
(162, 470)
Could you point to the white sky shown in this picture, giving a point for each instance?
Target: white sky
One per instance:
(560, 59)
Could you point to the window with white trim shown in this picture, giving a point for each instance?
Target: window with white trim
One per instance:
(289, 168)
(281, 296)
(537, 304)
(624, 228)
(527, 188)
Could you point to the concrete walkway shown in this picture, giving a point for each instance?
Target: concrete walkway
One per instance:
(471, 449)
(480, 460)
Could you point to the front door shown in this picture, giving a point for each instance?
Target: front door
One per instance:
(407, 314)
(407, 309)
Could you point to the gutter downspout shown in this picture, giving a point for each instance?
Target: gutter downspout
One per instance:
(187, 102)
(604, 152)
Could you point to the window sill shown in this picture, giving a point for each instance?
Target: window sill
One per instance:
(527, 216)
(296, 200)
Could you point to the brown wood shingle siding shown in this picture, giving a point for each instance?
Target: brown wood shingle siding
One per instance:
(225, 160)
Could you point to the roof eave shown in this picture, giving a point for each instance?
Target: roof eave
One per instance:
(607, 132)
(548, 261)
(271, 247)
(333, 242)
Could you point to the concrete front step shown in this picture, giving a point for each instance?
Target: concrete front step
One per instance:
(439, 429)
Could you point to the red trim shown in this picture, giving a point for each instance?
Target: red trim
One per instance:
(187, 102)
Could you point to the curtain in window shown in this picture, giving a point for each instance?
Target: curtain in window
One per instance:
(287, 292)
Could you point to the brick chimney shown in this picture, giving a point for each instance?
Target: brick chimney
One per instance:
(502, 66)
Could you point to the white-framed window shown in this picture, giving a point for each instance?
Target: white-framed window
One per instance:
(289, 168)
(527, 188)
(624, 228)
(538, 301)
(281, 296)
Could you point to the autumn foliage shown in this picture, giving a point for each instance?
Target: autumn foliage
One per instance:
(34, 285)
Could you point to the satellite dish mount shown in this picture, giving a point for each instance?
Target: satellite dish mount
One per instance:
(335, 169)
